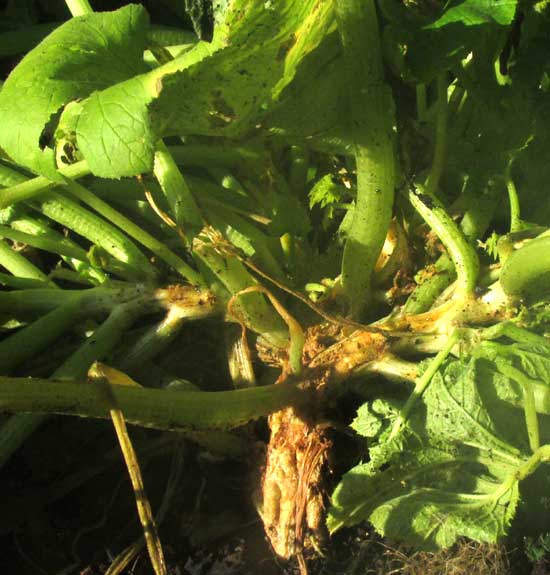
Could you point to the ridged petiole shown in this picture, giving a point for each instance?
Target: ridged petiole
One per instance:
(371, 126)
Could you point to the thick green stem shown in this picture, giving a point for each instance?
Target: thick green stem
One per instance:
(541, 455)
(162, 409)
(79, 7)
(428, 291)
(105, 337)
(531, 418)
(211, 194)
(134, 231)
(27, 342)
(438, 162)
(182, 203)
(77, 218)
(371, 124)
(182, 304)
(85, 272)
(43, 243)
(461, 252)
(297, 338)
(185, 304)
(214, 154)
(30, 188)
(393, 368)
(19, 427)
(19, 283)
(27, 303)
(10, 177)
(516, 225)
(514, 332)
(423, 382)
(529, 405)
(247, 237)
(19, 266)
(252, 308)
(152, 342)
(134, 265)
(31, 302)
(477, 217)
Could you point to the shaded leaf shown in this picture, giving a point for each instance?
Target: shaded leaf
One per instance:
(475, 12)
(449, 475)
(367, 423)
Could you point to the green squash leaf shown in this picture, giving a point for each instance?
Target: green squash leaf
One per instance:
(531, 361)
(449, 475)
(83, 55)
(217, 89)
(368, 422)
(475, 12)
(114, 134)
(262, 48)
(221, 88)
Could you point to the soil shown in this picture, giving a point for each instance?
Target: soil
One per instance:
(68, 508)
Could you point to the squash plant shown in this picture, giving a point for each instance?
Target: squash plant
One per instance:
(341, 179)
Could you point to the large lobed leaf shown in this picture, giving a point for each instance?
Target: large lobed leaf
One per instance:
(217, 89)
(83, 55)
(423, 40)
(475, 12)
(453, 471)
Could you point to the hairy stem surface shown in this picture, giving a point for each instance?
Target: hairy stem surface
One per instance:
(371, 124)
